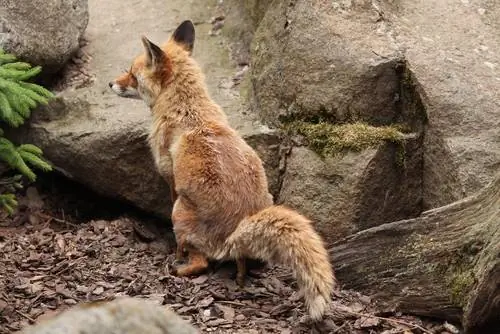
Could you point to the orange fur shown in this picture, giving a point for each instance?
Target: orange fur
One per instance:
(223, 208)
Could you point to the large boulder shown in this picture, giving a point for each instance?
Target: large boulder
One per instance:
(106, 153)
(43, 32)
(317, 60)
(453, 50)
(348, 193)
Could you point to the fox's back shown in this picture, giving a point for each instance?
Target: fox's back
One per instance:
(219, 172)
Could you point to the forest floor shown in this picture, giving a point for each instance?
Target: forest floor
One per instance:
(52, 258)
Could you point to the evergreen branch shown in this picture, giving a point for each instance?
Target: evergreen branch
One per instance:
(6, 144)
(35, 160)
(17, 99)
(30, 148)
(8, 202)
(17, 66)
(40, 90)
(5, 109)
(13, 158)
(25, 92)
(19, 75)
(6, 58)
(23, 104)
(32, 72)
(17, 120)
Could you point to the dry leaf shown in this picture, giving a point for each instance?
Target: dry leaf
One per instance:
(227, 311)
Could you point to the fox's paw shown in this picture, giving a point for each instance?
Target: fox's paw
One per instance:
(188, 270)
(178, 271)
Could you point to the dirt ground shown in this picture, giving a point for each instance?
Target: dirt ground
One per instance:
(53, 256)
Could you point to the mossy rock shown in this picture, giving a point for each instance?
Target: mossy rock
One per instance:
(328, 139)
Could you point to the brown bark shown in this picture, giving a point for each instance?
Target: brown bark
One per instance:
(443, 264)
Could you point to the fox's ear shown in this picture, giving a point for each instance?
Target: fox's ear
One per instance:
(154, 55)
(184, 34)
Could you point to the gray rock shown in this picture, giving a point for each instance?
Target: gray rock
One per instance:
(315, 60)
(43, 32)
(349, 193)
(242, 20)
(106, 153)
(454, 53)
(121, 315)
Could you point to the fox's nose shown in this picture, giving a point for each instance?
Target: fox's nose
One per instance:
(110, 84)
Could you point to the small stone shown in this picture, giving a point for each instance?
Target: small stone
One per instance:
(240, 317)
(98, 291)
(450, 328)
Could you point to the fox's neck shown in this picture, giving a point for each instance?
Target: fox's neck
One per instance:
(186, 102)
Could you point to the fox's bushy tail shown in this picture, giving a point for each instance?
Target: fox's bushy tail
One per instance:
(282, 236)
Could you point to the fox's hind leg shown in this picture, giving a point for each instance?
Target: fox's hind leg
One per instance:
(241, 271)
(179, 252)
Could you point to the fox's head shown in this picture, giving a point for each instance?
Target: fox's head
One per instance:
(155, 69)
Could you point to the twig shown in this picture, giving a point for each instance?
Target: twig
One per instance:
(58, 220)
(233, 303)
(401, 322)
(381, 56)
(69, 265)
(339, 328)
(26, 316)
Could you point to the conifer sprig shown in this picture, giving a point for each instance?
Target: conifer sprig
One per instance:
(17, 98)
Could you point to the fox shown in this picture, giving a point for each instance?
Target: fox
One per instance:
(222, 208)
(125, 315)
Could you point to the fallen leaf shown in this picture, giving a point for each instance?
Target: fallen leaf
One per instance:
(200, 279)
(366, 322)
(227, 311)
(36, 287)
(215, 322)
(61, 243)
(205, 302)
(3, 305)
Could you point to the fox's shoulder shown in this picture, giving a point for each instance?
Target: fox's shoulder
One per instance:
(123, 315)
(212, 128)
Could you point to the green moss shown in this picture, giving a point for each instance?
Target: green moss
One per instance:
(460, 277)
(460, 282)
(328, 139)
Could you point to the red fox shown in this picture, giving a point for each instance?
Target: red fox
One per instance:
(223, 209)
